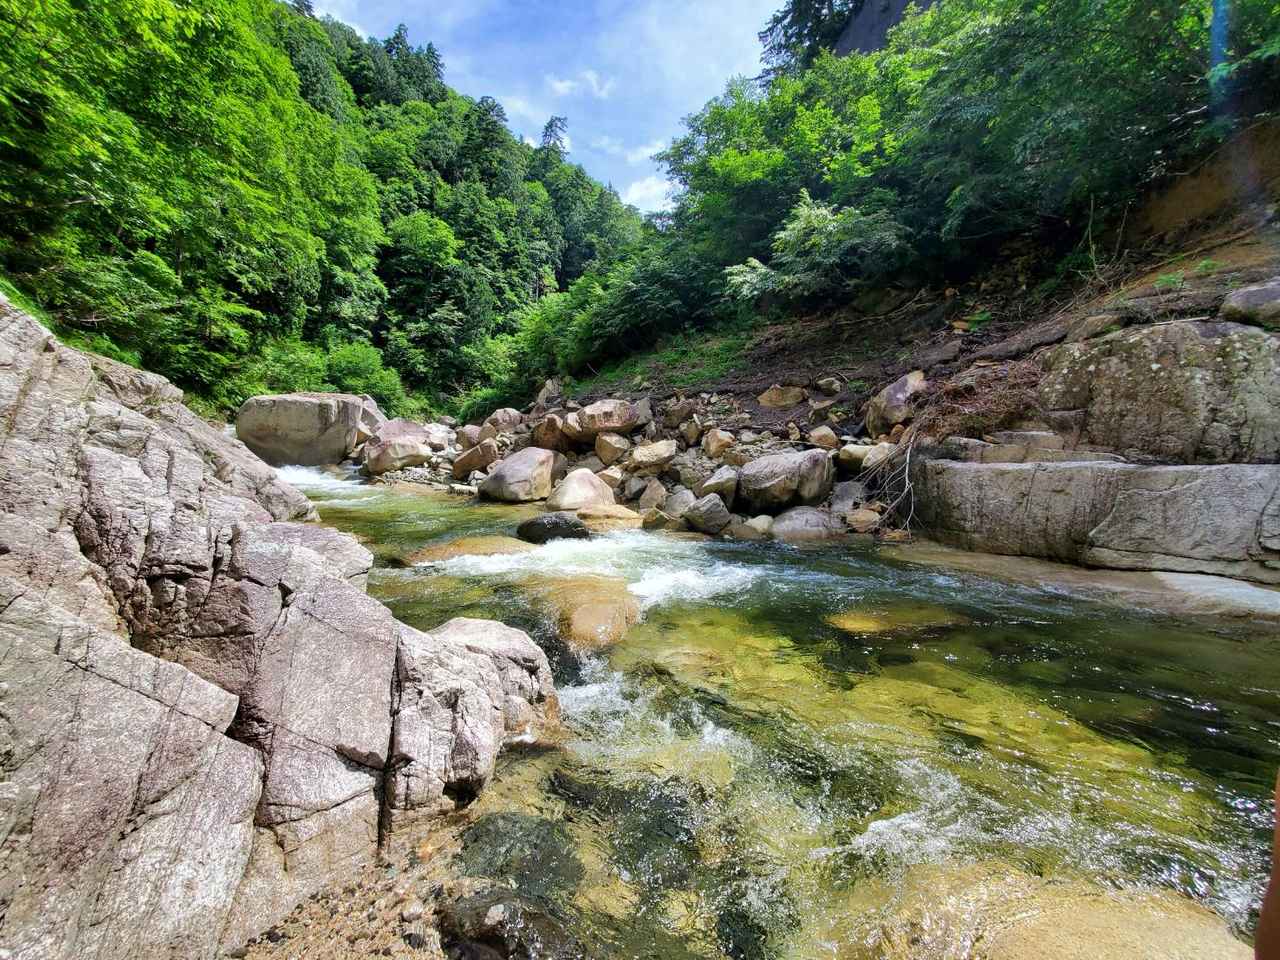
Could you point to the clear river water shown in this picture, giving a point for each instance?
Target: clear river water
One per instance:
(822, 752)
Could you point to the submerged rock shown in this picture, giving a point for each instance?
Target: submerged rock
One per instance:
(482, 546)
(591, 613)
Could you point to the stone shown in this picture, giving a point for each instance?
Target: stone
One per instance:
(1258, 305)
(397, 444)
(506, 420)
(644, 412)
(763, 524)
(1218, 519)
(560, 525)
(651, 458)
(892, 405)
(524, 928)
(551, 391)
(633, 486)
(494, 545)
(707, 514)
(678, 502)
(878, 455)
(475, 458)
(846, 496)
(778, 397)
(862, 520)
(716, 441)
(548, 433)
(829, 385)
(678, 411)
(198, 693)
(525, 475)
(824, 437)
(738, 529)
(571, 426)
(613, 476)
(654, 495)
(591, 613)
(606, 518)
(460, 692)
(580, 488)
(608, 416)
(611, 447)
(1181, 392)
(723, 483)
(310, 429)
(468, 436)
(590, 462)
(779, 480)
(691, 431)
(806, 525)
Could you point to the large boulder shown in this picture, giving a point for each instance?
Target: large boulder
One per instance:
(650, 459)
(526, 475)
(560, 525)
(893, 405)
(198, 693)
(723, 483)
(1258, 304)
(475, 458)
(403, 443)
(506, 420)
(607, 416)
(307, 428)
(773, 483)
(549, 433)
(1192, 519)
(806, 525)
(1182, 392)
(611, 447)
(581, 488)
(708, 514)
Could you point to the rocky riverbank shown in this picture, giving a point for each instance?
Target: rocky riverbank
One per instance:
(207, 719)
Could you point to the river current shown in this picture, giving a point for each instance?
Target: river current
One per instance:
(823, 752)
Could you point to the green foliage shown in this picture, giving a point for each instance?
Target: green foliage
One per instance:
(1171, 281)
(219, 189)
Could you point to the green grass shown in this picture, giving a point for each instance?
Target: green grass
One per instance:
(687, 359)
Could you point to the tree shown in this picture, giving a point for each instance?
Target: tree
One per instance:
(554, 133)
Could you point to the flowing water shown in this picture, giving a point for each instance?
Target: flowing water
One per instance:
(803, 753)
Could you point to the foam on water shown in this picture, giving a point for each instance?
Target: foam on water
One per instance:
(318, 481)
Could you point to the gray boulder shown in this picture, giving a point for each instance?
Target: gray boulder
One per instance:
(772, 483)
(475, 458)
(1221, 520)
(528, 474)
(806, 525)
(307, 428)
(723, 483)
(708, 514)
(1258, 305)
(1181, 392)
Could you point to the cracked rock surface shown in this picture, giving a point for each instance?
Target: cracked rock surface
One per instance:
(203, 717)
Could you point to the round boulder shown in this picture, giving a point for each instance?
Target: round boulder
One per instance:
(525, 475)
(772, 483)
(579, 489)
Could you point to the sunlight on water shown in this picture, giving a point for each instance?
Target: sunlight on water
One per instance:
(794, 750)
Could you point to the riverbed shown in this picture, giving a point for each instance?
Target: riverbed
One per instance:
(806, 753)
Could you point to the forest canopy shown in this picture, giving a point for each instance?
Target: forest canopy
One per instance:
(246, 198)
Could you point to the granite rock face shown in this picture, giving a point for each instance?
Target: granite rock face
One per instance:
(1181, 392)
(311, 429)
(1222, 520)
(200, 696)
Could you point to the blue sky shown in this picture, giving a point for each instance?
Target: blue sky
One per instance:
(623, 71)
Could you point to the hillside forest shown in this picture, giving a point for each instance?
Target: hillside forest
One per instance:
(247, 198)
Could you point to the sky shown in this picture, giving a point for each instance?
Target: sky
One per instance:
(624, 72)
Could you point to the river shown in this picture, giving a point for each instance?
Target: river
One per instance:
(824, 752)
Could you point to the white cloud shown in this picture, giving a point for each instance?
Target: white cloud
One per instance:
(633, 155)
(587, 81)
(642, 153)
(649, 194)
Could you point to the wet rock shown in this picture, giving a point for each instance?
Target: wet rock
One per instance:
(604, 518)
(591, 613)
(581, 488)
(892, 405)
(824, 437)
(611, 447)
(777, 481)
(1186, 392)
(806, 525)
(483, 546)
(778, 397)
(501, 924)
(475, 458)
(716, 441)
(307, 428)
(553, 526)
(1258, 305)
(708, 514)
(651, 458)
(523, 476)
